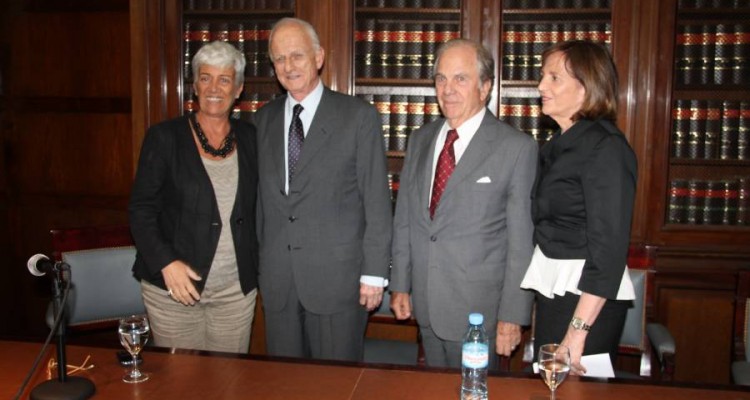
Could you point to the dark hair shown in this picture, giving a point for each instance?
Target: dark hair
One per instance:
(591, 64)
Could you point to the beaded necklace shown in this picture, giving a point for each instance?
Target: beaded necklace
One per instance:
(226, 146)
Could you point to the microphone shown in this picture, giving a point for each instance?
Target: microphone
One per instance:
(39, 265)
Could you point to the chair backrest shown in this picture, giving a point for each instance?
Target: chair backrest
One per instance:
(634, 340)
(742, 318)
(633, 333)
(102, 285)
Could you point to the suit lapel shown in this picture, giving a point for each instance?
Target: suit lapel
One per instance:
(318, 134)
(425, 161)
(477, 152)
(276, 141)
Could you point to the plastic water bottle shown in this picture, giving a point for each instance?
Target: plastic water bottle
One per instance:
(474, 360)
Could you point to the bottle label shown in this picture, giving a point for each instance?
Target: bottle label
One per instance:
(475, 355)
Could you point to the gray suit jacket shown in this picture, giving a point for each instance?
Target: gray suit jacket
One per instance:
(335, 224)
(473, 255)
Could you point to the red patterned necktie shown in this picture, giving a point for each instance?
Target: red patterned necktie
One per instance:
(445, 165)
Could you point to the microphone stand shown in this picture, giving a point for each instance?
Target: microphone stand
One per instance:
(65, 387)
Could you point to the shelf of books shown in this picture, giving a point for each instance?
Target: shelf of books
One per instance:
(394, 48)
(709, 157)
(529, 27)
(246, 24)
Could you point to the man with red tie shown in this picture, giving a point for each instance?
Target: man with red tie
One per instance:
(462, 236)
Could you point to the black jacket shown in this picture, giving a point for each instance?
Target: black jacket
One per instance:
(173, 210)
(583, 202)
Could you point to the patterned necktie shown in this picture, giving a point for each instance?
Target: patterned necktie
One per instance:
(445, 165)
(296, 138)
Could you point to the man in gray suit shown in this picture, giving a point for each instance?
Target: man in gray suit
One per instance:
(324, 210)
(462, 237)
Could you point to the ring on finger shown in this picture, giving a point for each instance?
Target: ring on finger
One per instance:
(169, 293)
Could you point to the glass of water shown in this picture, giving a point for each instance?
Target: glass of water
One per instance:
(134, 331)
(554, 365)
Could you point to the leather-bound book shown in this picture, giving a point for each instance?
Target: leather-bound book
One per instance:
(678, 200)
(697, 130)
(730, 130)
(399, 123)
(680, 128)
(382, 103)
(713, 130)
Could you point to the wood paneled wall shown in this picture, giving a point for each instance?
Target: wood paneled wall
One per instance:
(80, 80)
(67, 151)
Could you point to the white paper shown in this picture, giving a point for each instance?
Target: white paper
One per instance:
(597, 366)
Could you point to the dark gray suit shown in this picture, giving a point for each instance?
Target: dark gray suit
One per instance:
(335, 223)
(473, 255)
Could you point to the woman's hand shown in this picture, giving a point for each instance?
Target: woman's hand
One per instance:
(575, 340)
(179, 278)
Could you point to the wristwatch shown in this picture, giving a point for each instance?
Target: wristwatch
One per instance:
(578, 323)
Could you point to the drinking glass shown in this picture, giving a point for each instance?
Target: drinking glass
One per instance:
(554, 365)
(134, 331)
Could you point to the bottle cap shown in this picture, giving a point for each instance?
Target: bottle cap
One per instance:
(476, 319)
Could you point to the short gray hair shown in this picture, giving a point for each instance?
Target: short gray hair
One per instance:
(221, 55)
(485, 62)
(306, 26)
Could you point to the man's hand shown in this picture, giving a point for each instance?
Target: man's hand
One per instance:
(401, 305)
(370, 296)
(508, 338)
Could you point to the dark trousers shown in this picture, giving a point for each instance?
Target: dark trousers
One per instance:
(297, 332)
(553, 317)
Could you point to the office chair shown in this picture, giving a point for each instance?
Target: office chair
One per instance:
(638, 337)
(103, 288)
(390, 351)
(741, 364)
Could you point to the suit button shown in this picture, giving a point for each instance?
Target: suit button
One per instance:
(433, 238)
(292, 218)
(240, 221)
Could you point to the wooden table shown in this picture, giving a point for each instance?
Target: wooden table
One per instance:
(188, 375)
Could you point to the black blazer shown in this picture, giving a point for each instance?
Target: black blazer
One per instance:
(583, 202)
(173, 210)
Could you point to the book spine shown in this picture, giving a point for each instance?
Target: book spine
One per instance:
(412, 60)
(741, 55)
(743, 201)
(713, 203)
(265, 68)
(364, 35)
(687, 54)
(730, 202)
(743, 133)
(696, 200)
(713, 130)
(697, 133)
(678, 201)
(680, 128)
(414, 115)
(509, 56)
(429, 46)
(382, 50)
(382, 103)
(722, 54)
(525, 52)
(399, 105)
(707, 50)
(730, 127)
